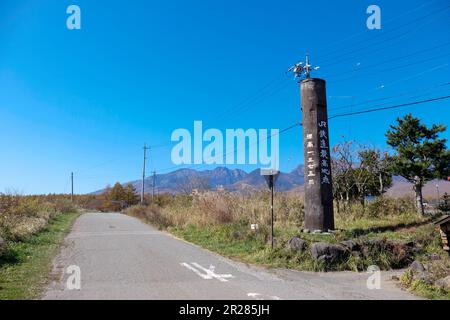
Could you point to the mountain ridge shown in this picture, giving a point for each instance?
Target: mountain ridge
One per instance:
(185, 179)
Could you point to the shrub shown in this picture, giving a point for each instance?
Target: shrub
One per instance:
(215, 207)
(152, 214)
(24, 216)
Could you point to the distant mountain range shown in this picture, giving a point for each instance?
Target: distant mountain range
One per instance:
(221, 177)
(239, 180)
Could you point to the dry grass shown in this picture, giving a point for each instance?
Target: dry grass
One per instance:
(216, 208)
(212, 208)
(24, 216)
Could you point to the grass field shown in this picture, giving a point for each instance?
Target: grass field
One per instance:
(24, 269)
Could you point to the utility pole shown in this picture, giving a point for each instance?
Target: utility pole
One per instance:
(271, 209)
(438, 195)
(153, 185)
(71, 180)
(319, 215)
(143, 173)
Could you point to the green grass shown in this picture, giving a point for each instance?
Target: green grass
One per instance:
(237, 241)
(226, 240)
(24, 269)
(425, 290)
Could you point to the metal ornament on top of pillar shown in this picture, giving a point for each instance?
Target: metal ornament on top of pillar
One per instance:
(319, 215)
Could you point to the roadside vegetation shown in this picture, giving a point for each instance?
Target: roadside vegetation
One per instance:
(115, 198)
(31, 231)
(386, 232)
(372, 229)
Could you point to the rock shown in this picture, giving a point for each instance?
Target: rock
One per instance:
(296, 244)
(417, 266)
(306, 231)
(433, 257)
(425, 276)
(2, 246)
(329, 253)
(351, 245)
(443, 283)
(236, 234)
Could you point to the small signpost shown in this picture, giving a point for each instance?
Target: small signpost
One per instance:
(270, 176)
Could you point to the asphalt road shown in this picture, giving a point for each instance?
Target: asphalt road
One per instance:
(119, 257)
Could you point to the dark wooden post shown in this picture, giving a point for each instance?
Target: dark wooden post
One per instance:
(318, 179)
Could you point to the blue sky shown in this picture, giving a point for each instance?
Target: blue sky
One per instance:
(87, 100)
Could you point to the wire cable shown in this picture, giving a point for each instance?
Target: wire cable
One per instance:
(388, 108)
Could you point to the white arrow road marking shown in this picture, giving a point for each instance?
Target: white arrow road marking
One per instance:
(209, 273)
(258, 296)
(204, 276)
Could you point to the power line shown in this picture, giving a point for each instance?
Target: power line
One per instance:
(249, 99)
(259, 99)
(342, 41)
(387, 108)
(200, 166)
(363, 68)
(414, 75)
(271, 88)
(332, 117)
(390, 103)
(428, 88)
(264, 93)
(383, 41)
(274, 85)
(296, 124)
(369, 74)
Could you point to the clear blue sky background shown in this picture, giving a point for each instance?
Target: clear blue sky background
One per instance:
(86, 101)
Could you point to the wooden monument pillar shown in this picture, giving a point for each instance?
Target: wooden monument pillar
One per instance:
(318, 179)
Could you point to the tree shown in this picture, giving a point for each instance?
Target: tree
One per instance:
(379, 169)
(117, 193)
(359, 172)
(342, 165)
(130, 196)
(420, 154)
